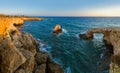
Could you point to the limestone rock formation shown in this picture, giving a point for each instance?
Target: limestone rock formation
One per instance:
(10, 57)
(18, 55)
(57, 29)
(111, 39)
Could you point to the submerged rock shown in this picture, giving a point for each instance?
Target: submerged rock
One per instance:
(57, 29)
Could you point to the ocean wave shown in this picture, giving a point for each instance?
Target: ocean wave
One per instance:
(27, 25)
(44, 47)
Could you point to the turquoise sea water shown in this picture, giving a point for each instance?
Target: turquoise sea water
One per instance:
(72, 53)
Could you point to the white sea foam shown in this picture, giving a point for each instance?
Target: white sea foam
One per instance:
(64, 30)
(68, 70)
(101, 55)
(44, 47)
(77, 35)
(27, 25)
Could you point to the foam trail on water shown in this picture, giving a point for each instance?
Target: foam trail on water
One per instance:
(77, 35)
(64, 30)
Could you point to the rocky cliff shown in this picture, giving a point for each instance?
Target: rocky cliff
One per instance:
(111, 39)
(19, 51)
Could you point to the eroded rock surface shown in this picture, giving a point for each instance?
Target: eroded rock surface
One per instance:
(111, 39)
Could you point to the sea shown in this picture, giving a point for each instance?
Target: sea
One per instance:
(74, 54)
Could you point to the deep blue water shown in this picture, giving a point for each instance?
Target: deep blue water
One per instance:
(73, 54)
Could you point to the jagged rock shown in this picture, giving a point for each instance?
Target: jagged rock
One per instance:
(41, 58)
(115, 64)
(10, 57)
(20, 71)
(53, 67)
(21, 41)
(41, 69)
(85, 36)
(29, 64)
(57, 29)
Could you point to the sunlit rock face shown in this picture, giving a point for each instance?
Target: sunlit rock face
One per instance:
(8, 23)
(57, 29)
(111, 39)
(19, 51)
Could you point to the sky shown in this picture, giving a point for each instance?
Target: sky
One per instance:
(61, 7)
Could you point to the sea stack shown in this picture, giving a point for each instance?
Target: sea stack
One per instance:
(57, 29)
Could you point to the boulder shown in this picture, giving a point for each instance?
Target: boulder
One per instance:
(41, 58)
(20, 71)
(10, 57)
(21, 41)
(85, 36)
(53, 67)
(57, 29)
(29, 64)
(41, 69)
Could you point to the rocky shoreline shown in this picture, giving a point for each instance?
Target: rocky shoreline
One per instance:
(111, 40)
(19, 51)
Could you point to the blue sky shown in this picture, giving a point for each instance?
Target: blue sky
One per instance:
(61, 7)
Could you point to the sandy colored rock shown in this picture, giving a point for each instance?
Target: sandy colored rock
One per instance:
(10, 57)
(29, 63)
(21, 41)
(57, 29)
(20, 71)
(8, 23)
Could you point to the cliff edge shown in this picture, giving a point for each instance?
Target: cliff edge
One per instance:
(19, 51)
(111, 39)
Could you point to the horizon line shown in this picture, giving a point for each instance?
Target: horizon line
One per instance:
(69, 16)
(59, 15)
